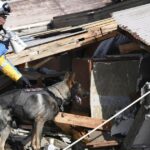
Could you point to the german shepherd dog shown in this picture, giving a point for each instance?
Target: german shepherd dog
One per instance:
(37, 106)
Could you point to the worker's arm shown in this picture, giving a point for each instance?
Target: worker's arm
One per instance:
(3, 48)
(12, 72)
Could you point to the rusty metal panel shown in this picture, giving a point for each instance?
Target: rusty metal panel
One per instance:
(112, 84)
(82, 69)
(135, 21)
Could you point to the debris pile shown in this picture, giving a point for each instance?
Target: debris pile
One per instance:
(110, 58)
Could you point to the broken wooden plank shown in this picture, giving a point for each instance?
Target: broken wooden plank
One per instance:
(36, 31)
(41, 63)
(39, 41)
(51, 32)
(102, 144)
(60, 46)
(77, 120)
(129, 47)
(93, 34)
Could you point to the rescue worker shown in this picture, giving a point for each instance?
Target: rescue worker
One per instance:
(5, 66)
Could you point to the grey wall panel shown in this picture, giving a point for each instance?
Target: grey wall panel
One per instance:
(114, 83)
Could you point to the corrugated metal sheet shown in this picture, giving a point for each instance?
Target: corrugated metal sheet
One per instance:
(136, 21)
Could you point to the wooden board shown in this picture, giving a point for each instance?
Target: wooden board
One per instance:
(129, 47)
(102, 144)
(77, 120)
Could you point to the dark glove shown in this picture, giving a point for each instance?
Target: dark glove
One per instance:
(24, 82)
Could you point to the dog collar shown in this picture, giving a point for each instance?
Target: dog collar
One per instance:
(58, 100)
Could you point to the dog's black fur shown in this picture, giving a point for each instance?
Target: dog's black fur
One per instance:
(37, 106)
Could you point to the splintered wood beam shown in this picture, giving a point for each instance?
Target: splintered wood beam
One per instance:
(129, 47)
(77, 120)
(102, 144)
(41, 63)
(94, 32)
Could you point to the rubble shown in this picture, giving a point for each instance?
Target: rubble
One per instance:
(110, 62)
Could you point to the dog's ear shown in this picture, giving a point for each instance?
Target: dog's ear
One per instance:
(70, 79)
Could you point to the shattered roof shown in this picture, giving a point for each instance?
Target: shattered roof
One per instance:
(136, 21)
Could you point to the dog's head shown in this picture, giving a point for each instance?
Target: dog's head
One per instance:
(76, 90)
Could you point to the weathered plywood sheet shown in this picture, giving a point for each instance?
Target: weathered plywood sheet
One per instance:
(112, 84)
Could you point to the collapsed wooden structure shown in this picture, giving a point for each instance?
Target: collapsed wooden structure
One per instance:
(92, 32)
(75, 33)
